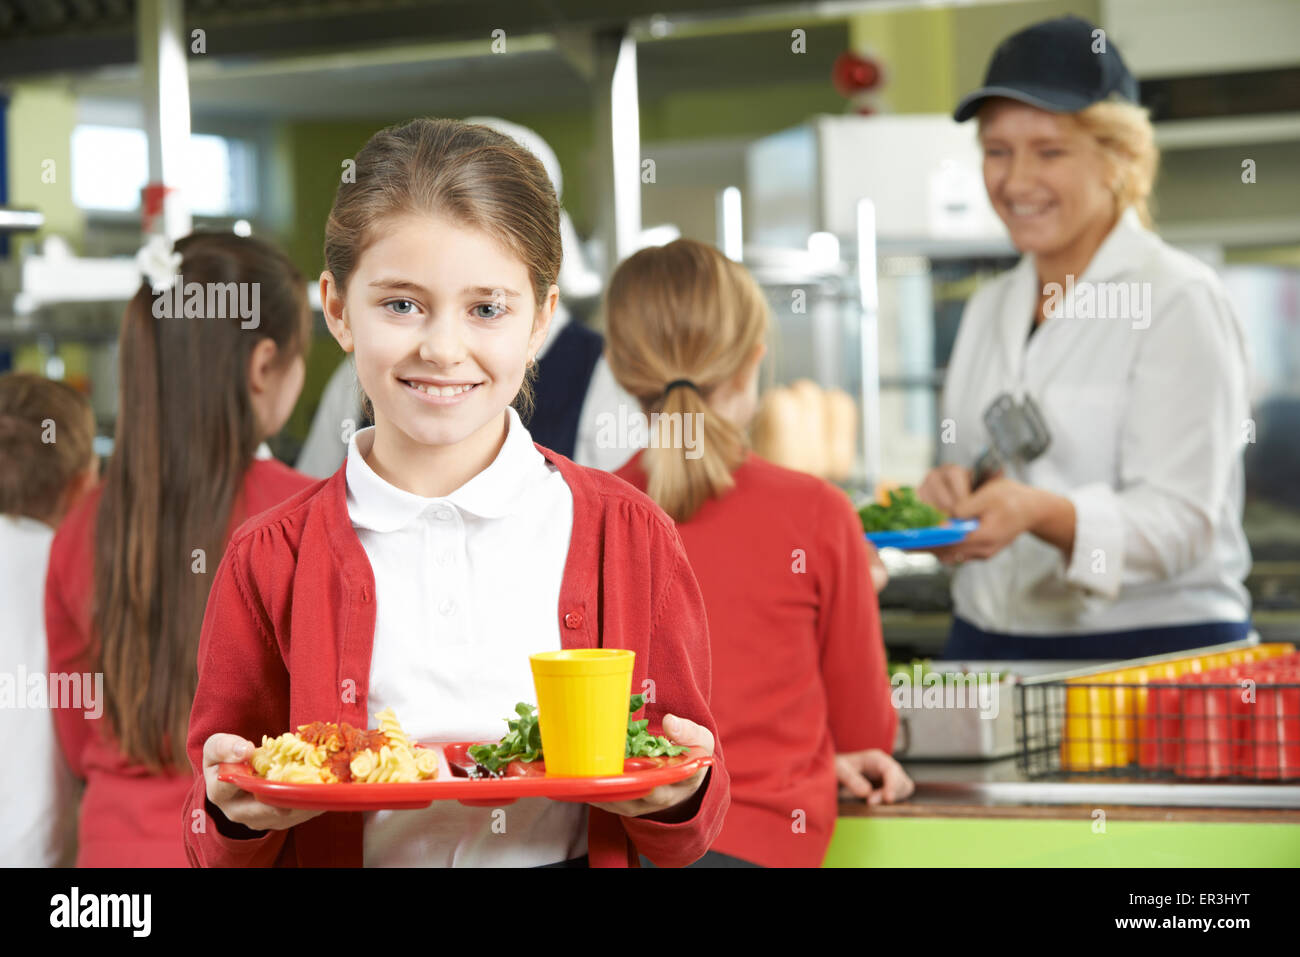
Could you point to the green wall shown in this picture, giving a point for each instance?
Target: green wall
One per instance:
(39, 122)
(934, 56)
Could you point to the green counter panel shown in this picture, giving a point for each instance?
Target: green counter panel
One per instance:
(1002, 842)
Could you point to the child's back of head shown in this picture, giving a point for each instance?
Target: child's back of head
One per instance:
(47, 458)
(684, 323)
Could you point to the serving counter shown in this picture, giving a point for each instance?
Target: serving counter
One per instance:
(990, 814)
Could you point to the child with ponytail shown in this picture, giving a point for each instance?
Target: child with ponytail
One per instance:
(131, 566)
(780, 557)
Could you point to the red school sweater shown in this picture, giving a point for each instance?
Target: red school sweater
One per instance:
(798, 657)
(128, 814)
(290, 627)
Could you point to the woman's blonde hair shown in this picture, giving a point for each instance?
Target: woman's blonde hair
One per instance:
(1124, 132)
(684, 311)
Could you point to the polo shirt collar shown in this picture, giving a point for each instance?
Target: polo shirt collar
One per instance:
(498, 490)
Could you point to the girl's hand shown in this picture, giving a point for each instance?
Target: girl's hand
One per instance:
(666, 797)
(945, 486)
(879, 573)
(873, 775)
(237, 804)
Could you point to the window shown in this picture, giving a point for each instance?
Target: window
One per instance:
(110, 165)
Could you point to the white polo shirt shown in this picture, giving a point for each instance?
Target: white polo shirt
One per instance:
(1148, 411)
(38, 794)
(467, 587)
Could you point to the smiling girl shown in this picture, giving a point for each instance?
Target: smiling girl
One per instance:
(449, 546)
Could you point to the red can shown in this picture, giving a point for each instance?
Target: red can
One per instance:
(1160, 727)
(1241, 708)
(1207, 741)
(1276, 728)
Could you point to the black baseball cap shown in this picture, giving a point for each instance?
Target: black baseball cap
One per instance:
(1052, 65)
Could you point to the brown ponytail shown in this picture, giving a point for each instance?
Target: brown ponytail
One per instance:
(684, 311)
(185, 436)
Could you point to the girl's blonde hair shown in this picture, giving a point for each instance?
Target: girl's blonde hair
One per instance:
(684, 311)
(464, 172)
(1128, 141)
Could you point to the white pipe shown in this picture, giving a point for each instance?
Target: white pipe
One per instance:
(869, 333)
(731, 238)
(162, 49)
(625, 131)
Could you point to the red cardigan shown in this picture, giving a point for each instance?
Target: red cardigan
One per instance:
(128, 814)
(290, 626)
(797, 653)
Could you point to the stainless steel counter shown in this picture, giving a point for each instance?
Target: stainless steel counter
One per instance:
(1002, 784)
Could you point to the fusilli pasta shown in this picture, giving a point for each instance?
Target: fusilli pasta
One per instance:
(325, 752)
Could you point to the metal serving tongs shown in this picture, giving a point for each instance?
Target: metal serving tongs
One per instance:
(1017, 432)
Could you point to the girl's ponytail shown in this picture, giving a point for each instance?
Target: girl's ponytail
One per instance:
(125, 586)
(186, 434)
(684, 311)
(679, 483)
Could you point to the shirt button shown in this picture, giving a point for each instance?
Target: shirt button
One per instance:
(447, 607)
(573, 619)
(445, 558)
(443, 514)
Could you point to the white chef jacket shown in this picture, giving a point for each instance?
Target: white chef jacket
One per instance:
(466, 588)
(1148, 413)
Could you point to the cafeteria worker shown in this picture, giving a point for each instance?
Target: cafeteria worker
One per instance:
(1124, 538)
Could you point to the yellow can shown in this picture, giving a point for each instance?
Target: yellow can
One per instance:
(1129, 703)
(582, 702)
(1090, 728)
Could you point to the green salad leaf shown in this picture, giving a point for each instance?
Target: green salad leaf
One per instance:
(640, 742)
(904, 511)
(523, 742)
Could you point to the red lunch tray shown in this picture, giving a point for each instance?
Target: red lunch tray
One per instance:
(520, 779)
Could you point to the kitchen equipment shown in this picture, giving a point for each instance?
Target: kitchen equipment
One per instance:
(920, 171)
(1017, 432)
(960, 711)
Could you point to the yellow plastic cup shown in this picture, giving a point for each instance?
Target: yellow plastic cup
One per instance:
(582, 701)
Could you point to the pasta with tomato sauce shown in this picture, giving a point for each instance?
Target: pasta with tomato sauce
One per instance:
(326, 752)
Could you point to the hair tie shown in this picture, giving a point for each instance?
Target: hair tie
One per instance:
(159, 262)
(678, 382)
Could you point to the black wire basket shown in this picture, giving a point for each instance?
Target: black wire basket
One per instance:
(1236, 723)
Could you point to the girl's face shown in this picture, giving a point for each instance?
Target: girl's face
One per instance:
(443, 321)
(1046, 178)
